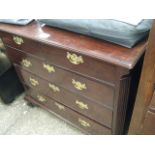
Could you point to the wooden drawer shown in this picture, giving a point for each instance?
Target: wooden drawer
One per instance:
(66, 113)
(68, 59)
(98, 92)
(79, 103)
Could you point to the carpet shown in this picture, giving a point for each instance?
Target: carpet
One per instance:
(20, 119)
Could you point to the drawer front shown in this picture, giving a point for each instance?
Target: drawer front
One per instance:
(99, 92)
(78, 103)
(65, 58)
(68, 114)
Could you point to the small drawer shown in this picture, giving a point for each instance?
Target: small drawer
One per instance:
(99, 92)
(78, 103)
(68, 59)
(66, 113)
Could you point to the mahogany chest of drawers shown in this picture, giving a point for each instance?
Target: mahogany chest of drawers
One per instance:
(85, 81)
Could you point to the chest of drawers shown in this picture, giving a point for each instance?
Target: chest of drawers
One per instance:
(85, 81)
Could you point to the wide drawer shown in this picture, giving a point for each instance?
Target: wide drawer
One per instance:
(79, 103)
(99, 92)
(66, 58)
(66, 113)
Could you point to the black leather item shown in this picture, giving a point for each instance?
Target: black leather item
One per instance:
(10, 86)
(16, 21)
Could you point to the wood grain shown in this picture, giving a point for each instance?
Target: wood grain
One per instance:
(68, 115)
(89, 46)
(106, 73)
(146, 87)
(94, 111)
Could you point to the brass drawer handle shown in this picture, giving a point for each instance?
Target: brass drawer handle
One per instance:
(83, 122)
(41, 98)
(2, 46)
(78, 85)
(81, 105)
(18, 40)
(33, 82)
(54, 88)
(74, 59)
(60, 107)
(49, 68)
(26, 63)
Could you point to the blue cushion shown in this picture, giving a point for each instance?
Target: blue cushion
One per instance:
(16, 21)
(115, 31)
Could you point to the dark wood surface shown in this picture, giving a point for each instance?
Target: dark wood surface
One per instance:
(91, 67)
(95, 48)
(142, 120)
(66, 113)
(64, 78)
(95, 111)
(104, 75)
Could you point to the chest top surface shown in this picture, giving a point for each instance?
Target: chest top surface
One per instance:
(89, 46)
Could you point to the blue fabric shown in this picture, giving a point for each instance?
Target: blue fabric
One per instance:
(107, 29)
(16, 21)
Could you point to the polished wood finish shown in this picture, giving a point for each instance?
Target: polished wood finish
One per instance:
(64, 78)
(70, 115)
(97, 75)
(143, 119)
(81, 44)
(94, 110)
(91, 67)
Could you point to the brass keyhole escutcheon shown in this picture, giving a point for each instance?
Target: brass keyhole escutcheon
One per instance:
(26, 63)
(78, 85)
(54, 88)
(83, 122)
(33, 82)
(74, 59)
(41, 98)
(59, 106)
(81, 105)
(18, 40)
(49, 68)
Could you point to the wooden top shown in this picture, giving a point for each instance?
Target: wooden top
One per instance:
(100, 49)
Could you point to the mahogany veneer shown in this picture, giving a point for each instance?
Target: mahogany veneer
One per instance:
(86, 81)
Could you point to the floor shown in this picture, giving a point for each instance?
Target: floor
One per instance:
(20, 119)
